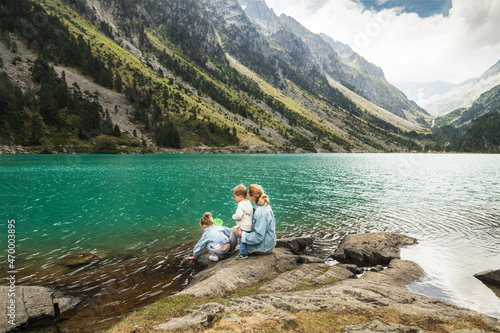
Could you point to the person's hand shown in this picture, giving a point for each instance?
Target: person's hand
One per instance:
(238, 231)
(191, 258)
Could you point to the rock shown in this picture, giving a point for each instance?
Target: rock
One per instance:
(377, 326)
(371, 249)
(204, 315)
(230, 274)
(31, 303)
(79, 259)
(279, 316)
(490, 276)
(353, 268)
(295, 245)
(377, 268)
(232, 317)
(313, 274)
(398, 273)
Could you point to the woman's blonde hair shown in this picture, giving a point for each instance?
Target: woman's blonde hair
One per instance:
(257, 192)
(207, 220)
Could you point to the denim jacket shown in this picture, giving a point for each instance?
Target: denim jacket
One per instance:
(214, 237)
(263, 236)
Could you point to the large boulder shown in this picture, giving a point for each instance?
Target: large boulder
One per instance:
(30, 303)
(297, 244)
(371, 249)
(490, 276)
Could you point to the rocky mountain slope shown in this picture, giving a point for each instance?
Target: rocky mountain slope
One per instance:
(463, 95)
(184, 75)
(332, 58)
(487, 103)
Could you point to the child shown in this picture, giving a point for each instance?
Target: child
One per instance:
(217, 239)
(243, 216)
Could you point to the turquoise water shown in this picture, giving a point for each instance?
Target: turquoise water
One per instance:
(138, 204)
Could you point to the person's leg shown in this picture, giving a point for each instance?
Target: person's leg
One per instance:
(216, 254)
(233, 240)
(243, 250)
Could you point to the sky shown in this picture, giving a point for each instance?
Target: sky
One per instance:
(411, 40)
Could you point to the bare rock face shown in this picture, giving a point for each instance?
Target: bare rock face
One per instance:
(490, 276)
(26, 303)
(371, 249)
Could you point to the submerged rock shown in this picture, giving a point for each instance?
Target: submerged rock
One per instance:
(79, 259)
(371, 249)
(490, 276)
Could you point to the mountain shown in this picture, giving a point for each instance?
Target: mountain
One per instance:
(154, 75)
(463, 95)
(472, 129)
(334, 59)
(487, 103)
(369, 81)
(483, 135)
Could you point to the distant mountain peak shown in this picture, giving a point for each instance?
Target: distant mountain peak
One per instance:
(442, 98)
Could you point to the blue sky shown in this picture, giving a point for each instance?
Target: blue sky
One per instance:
(411, 40)
(424, 8)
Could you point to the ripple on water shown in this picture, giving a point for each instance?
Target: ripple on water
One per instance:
(132, 206)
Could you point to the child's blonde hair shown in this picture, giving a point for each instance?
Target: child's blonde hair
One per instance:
(207, 220)
(257, 192)
(240, 190)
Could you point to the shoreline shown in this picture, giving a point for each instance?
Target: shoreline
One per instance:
(21, 150)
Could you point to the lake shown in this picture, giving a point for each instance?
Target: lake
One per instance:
(128, 207)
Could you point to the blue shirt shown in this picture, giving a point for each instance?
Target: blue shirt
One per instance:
(213, 236)
(263, 235)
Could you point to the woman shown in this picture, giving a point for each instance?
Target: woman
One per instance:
(262, 238)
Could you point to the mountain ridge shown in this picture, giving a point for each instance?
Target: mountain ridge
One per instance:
(348, 68)
(464, 94)
(190, 75)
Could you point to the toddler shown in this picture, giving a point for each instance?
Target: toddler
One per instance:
(243, 216)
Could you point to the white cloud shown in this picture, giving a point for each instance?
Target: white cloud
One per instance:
(407, 47)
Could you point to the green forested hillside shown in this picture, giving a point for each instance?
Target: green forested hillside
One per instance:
(188, 81)
(482, 136)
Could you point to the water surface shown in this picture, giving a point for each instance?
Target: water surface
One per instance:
(129, 207)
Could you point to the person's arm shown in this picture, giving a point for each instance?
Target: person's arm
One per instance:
(200, 246)
(239, 213)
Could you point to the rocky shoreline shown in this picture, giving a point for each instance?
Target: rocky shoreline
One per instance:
(344, 285)
(21, 150)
